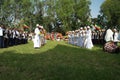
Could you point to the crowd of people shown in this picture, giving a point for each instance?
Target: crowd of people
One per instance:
(81, 37)
(12, 36)
(54, 36)
(112, 38)
(86, 37)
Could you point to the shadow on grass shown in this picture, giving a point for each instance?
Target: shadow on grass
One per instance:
(61, 63)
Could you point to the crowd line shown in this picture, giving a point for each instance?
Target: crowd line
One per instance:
(12, 36)
(86, 37)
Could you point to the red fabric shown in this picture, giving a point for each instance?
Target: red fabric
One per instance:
(26, 27)
(59, 35)
(97, 28)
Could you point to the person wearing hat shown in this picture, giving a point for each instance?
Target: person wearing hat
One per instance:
(115, 37)
(37, 42)
(80, 42)
(77, 35)
(119, 35)
(1, 37)
(72, 37)
(109, 35)
(42, 35)
(76, 38)
(85, 28)
(69, 37)
(88, 41)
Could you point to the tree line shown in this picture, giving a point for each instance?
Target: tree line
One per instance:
(56, 15)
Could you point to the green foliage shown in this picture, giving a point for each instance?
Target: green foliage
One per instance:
(82, 9)
(33, 12)
(111, 9)
(69, 11)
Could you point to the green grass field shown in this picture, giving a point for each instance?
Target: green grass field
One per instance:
(58, 61)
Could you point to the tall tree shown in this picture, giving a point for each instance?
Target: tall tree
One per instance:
(49, 14)
(13, 11)
(82, 10)
(45, 12)
(64, 10)
(111, 10)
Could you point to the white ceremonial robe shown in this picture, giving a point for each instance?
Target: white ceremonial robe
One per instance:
(72, 39)
(69, 38)
(81, 39)
(1, 31)
(119, 36)
(37, 42)
(109, 35)
(115, 37)
(88, 42)
(77, 39)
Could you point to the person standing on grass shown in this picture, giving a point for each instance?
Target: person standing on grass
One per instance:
(119, 35)
(37, 43)
(1, 37)
(88, 42)
(115, 37)
(109, 35)
(69, 37)
(81, 41)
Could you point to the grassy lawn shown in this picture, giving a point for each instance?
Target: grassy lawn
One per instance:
(58, 61)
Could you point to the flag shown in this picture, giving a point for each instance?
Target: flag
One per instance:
(25, 26)
(97, 27)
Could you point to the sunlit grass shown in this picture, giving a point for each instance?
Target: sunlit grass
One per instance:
(58, 61)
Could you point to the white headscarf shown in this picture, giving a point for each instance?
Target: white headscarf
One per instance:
(109, 35)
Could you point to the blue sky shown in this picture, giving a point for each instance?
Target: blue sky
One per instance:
(95, 7)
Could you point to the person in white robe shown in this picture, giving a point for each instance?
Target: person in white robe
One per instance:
(69, 37)
(72, 37)
(81, 37)
(37, 42)
(109, 35)
(77, 40)
(76, 37)
(119, 35)
(115, 37)
(1, 37)
(88, 41)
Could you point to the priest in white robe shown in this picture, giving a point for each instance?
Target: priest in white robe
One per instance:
(109, 35)
(37, 42)
(88, 42)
